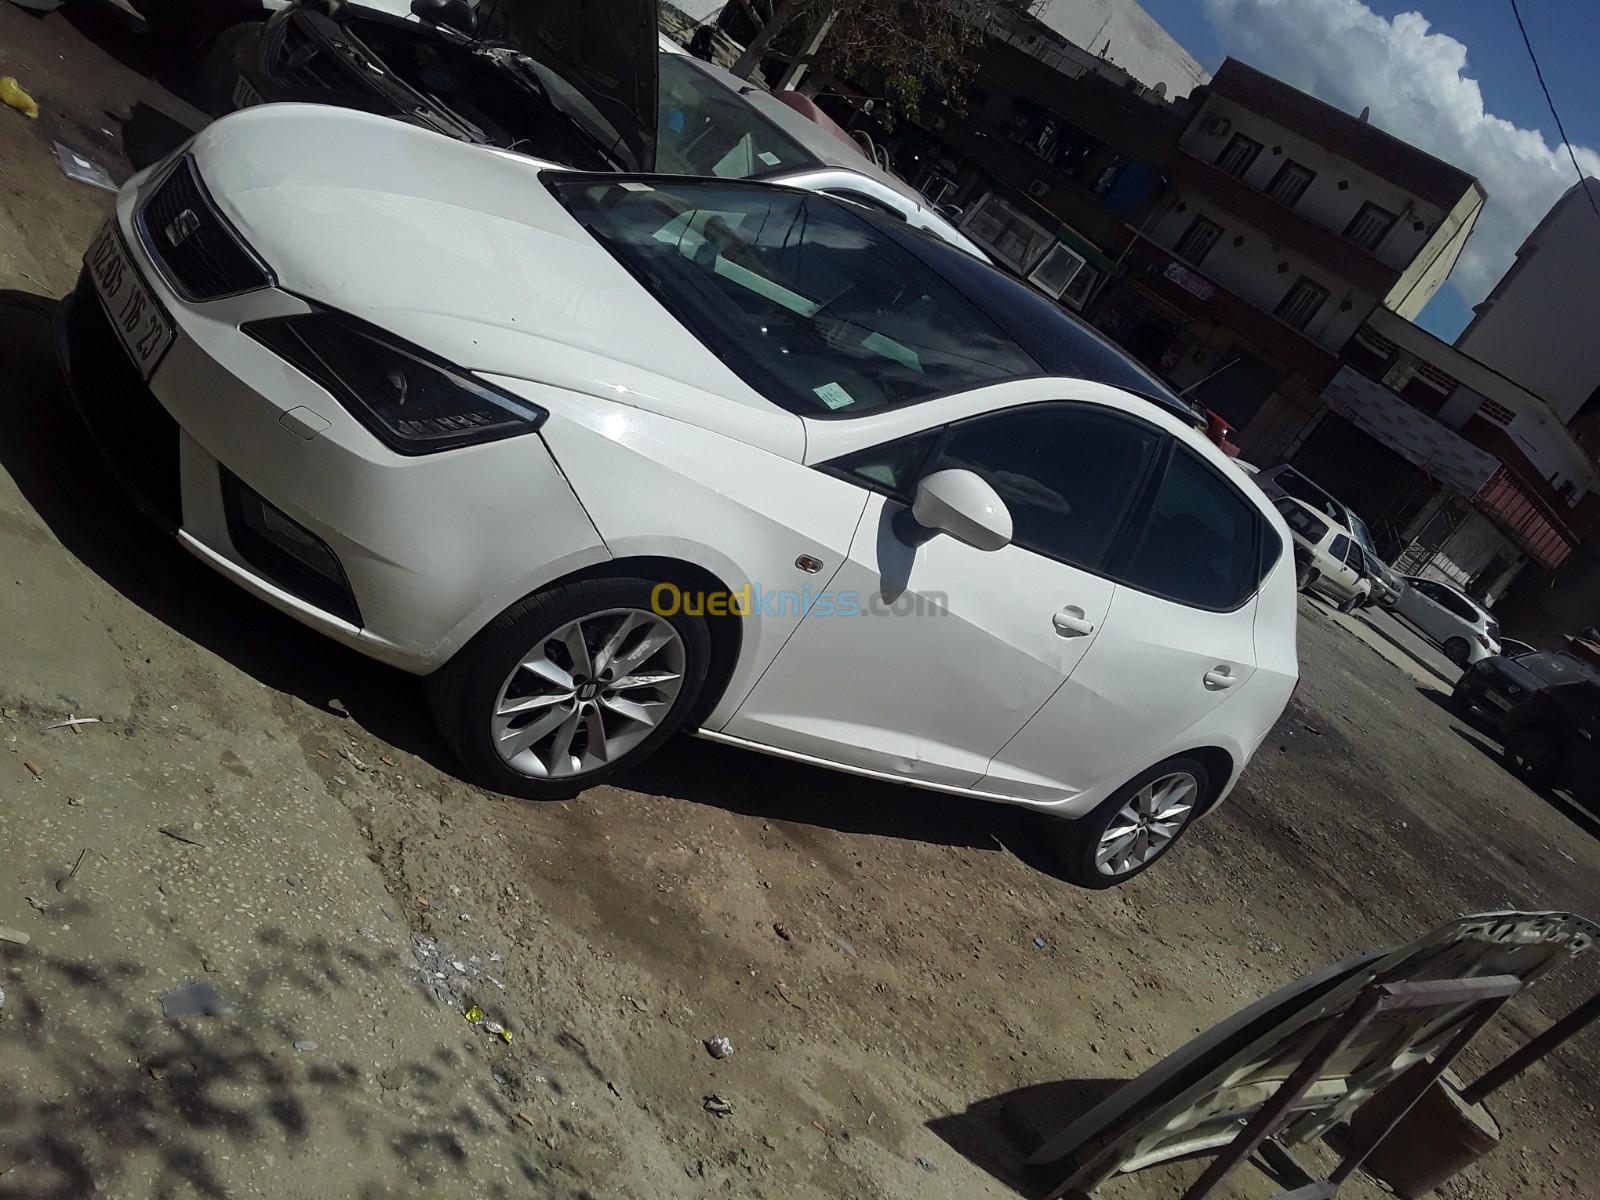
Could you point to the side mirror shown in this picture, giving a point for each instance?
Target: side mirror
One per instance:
(451, 14)
(962, 504)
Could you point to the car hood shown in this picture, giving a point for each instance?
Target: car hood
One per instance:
(607, 51)
(461, 249)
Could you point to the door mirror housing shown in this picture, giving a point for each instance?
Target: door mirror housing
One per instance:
(962, 504)
(451, 14)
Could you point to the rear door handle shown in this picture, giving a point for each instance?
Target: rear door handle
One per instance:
(1219, 678)
(1070, 622)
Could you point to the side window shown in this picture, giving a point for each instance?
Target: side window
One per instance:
(1204, 543)
(1339, 548)
(1068, 474)
(893, 467)
(1457, 605)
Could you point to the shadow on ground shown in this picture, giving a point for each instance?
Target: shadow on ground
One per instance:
(49, 455)
(1580, 816)
(117, 1094)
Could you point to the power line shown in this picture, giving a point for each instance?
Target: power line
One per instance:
(1544, 87)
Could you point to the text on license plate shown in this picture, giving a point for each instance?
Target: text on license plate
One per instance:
(142, 326)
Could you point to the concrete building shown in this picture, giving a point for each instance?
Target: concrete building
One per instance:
(1537, 325)
(1287, 223)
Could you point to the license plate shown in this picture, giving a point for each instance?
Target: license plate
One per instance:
(245, 94)
(142, 326)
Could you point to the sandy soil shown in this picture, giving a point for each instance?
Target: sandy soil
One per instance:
(890, 966)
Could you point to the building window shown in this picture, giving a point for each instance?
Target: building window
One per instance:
(1197, 240)
(1301, 302)
(1369, 226)
(1013, 238)
(1055, 271)
(1290, 183)
(1239, 154)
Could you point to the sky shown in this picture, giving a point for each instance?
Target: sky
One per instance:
(1450, 76)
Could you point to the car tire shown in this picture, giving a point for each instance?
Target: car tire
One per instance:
(1458, 652)
(1350, 605)
(1534, 756)
(1311, 578)
(1080, 846)
(495, 701)
(222, 62)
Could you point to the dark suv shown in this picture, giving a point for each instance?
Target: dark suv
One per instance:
(1498, 684)
(1550, 738)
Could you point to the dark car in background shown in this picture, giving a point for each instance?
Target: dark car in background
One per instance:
(1497, 685)
(1550, 738)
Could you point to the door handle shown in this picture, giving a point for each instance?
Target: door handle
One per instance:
(1219, 678)
(1070, 622)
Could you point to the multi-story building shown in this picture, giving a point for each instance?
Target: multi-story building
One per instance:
(1286, 225)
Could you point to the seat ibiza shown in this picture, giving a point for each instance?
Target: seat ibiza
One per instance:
(608, 456)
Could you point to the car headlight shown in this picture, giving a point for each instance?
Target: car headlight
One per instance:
(413, 401)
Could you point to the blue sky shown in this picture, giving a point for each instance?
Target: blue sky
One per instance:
(1409, 70)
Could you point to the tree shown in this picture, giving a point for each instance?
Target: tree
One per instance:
(908, 44)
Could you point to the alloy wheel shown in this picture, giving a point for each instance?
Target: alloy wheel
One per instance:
(588, 693)
(1147, 824)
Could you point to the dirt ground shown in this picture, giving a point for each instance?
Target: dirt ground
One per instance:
(264, 812)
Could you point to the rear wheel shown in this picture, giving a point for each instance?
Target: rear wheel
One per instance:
(1457, 651)
(1534, 756)
(1138, 824)
(1311, 577)
(1353, 603)
(570, 688)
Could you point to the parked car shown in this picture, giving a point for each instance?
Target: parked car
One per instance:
(1386, 583)
(1331, 561)
(1222, 433)
(1550, 738)
(1458, 624)
(607, 456)
(1284, 480)
(714, 123)
(1495, 685)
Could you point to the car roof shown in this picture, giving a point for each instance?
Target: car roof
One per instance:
(1058, 341)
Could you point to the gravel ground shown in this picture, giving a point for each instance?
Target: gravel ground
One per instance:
(269, 814)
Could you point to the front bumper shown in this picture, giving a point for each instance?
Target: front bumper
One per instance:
(431, 548)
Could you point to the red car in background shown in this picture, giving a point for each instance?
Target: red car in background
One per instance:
(1221, 433)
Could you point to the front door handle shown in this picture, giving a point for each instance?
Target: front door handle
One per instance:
(1070, 622)
(1219, 678)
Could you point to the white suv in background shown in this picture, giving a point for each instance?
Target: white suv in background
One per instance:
(1336, 567)
(606, 456)
(1458, 623)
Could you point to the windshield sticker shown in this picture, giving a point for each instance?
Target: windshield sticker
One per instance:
(834, 396)
(635, 187)
(768, 157)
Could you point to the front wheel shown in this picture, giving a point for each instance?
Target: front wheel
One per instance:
(570, 688)
(1534, 756)
(1353, 603)
(1138, 824)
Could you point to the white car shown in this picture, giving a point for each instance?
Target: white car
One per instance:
(604, 456)
(1460, 625)
(711, 122)
(1334, 565)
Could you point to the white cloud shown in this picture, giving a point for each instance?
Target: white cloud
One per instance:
(1343, 52)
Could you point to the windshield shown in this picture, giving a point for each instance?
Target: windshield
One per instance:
(1359, 527)
(1557, 667)
(814, 305)
(704, 128)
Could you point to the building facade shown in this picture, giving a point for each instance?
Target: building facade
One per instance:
(1286, 224)
(1537, 324)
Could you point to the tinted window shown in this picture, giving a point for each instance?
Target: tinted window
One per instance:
(893, 468)
(1456, 604)
(1067, 474)
(1201, 544)
(1339, 548)
(1297, 485)
(809, 301)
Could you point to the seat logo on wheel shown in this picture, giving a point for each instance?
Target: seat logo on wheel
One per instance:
(181, 227)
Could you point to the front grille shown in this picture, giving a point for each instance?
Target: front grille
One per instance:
(197, 250)
(135, 434)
